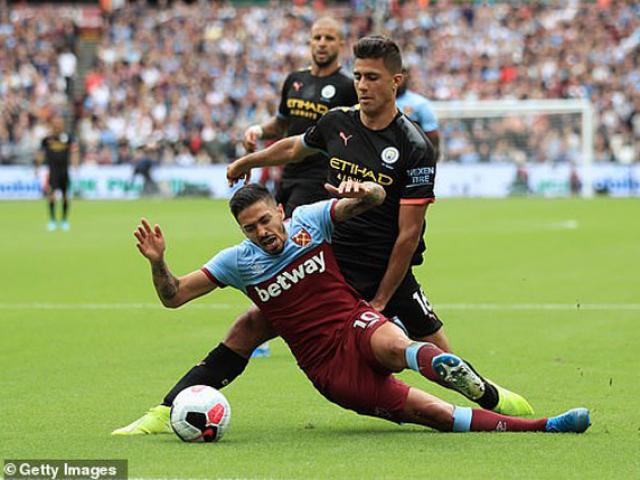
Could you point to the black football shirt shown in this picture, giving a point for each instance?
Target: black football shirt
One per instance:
(305, 99)
(57, 150)
(398, 157)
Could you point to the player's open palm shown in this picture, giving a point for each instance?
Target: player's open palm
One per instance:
(150, 241)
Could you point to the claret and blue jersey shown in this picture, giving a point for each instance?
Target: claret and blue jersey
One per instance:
(300, 290)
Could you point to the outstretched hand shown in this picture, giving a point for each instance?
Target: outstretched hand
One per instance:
(150, 241)
(236, 171)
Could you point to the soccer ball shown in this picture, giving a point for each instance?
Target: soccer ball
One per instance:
(200, 414)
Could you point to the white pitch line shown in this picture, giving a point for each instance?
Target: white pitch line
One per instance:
(229, 306)
(539, 306)
(108, 306)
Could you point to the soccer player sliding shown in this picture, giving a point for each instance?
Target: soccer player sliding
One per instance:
(346, 348)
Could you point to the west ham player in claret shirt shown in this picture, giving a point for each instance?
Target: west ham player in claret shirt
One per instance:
(306, 96)
(376, 250)
(347, 349)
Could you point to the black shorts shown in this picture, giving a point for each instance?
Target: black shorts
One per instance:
(59, 180)
(409, 304)
(293, 193)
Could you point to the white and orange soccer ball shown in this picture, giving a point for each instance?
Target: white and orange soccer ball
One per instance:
(200, 414)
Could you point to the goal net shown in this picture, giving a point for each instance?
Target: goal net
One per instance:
(541, 147)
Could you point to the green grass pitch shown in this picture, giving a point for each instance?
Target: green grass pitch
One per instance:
(542, 295)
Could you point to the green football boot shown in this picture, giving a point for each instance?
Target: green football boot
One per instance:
(155, 421)
(510, 403)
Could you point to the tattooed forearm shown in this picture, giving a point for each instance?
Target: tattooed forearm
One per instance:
(351, 207)
(166, 284)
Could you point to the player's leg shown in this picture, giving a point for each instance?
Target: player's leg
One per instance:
(424, 409)
(438, 338)
(229, 359)
(64, 186)
(50, 195)
(219, 368)
(395, 351)
(410, 308)
(358, 379)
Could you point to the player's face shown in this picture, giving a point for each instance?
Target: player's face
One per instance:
(57, 125)
(375, 84)
(326, 42)
(263, 224)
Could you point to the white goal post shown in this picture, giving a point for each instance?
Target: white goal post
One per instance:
(495, 109)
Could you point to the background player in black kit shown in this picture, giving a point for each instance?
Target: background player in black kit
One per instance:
(306, 96)
(372, 142)
(57, 150)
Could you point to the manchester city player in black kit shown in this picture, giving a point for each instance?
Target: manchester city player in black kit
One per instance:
(57, 150)
(306, 96)
(371, 142)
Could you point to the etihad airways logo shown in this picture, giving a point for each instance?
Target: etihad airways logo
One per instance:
(306, 108)
(288, 279)
(348, 170)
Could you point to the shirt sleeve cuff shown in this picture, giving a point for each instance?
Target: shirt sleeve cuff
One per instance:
(212, 278)
(332, 210)
(416, 201)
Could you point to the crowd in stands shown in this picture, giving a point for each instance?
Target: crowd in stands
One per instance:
(37, 64)
(181, 83)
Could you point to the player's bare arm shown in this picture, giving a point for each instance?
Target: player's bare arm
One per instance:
(173, 291)
(287, 150)
(410, 221)
(274, 128)
(356, 198)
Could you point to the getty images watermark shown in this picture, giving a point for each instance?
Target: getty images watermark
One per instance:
(65, 469)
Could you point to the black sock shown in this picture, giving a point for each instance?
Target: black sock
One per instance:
(217, 370)
(52, 210)
(489, 400)
(65, 208)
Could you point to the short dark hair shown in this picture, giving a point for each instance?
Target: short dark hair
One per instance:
(248, 195)
(378, 46)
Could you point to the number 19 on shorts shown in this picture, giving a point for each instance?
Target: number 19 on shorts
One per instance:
(366, 319)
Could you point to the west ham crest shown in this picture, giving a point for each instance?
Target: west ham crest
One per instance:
(302, 238)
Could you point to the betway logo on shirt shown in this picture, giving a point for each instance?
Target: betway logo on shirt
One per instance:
(287, 279)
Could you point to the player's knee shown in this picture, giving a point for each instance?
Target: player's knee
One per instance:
(248, 331)
(395, 354)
